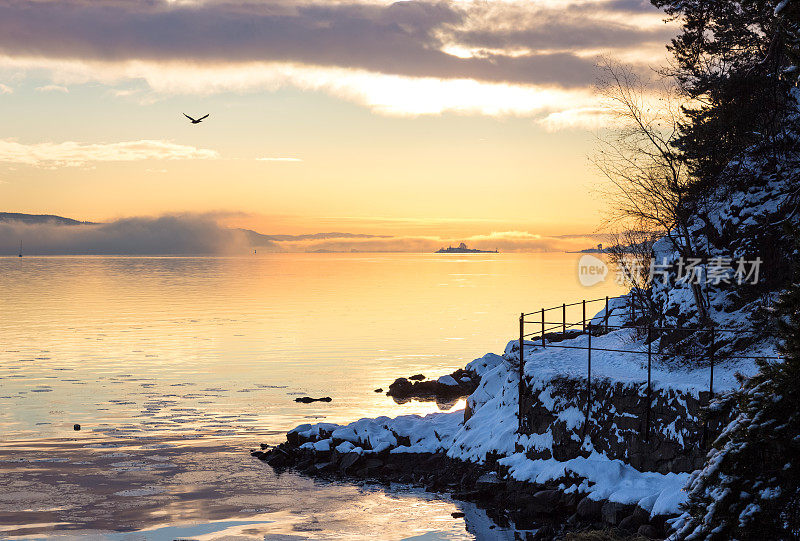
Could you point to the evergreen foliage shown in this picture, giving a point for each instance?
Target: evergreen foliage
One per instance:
(750, 485)
(734, 60)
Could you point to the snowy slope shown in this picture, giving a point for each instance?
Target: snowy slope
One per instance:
(489, 425)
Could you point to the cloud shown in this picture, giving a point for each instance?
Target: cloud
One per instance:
(53, 88)
(5, 89)
(279, 160)
(582, 117)
(188, 234)
(166, 235)
(402, 38)
(72, 154)
(504, 241)
(571, 26)
(411, 57)
(384, 94)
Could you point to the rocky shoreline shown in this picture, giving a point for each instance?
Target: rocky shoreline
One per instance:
(444, 390)
(544, 511)
(618, 463)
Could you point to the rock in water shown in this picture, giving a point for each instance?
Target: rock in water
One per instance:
(444, 389)
(76, 426)
(308, 399)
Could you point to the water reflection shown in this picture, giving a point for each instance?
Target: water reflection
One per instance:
(184, 363)
(164, 489)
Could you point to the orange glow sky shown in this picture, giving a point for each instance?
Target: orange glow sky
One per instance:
(417, 118)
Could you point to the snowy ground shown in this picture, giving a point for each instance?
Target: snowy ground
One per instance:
(555, 360)
(492, 426)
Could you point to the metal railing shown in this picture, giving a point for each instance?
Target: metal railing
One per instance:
(603, 326)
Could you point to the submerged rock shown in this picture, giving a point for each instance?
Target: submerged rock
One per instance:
(308, 399)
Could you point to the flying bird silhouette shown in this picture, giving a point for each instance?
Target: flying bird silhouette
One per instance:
(196, 120)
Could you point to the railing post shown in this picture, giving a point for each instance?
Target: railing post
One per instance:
(705, 438)
(606, 314)
(711, 381)
(588, 384)
(543, 328)
(584, 315)
(521, 389)
(649, 388)
(564, 320)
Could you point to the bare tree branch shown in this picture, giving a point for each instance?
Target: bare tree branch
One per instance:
(647, 172)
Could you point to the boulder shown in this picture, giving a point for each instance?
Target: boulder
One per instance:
(546, 531)
(648, 531)
(446, 388)
(293, 438)
(277, 458)
(590, 509)
(348, 460)
(488, 480)
(630, 523)
(400, 383)
(569, 500)
(641, 515)
(373, 463)
(614, 512)
(544, 501)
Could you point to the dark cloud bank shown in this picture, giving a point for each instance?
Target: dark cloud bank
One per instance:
(404, 38)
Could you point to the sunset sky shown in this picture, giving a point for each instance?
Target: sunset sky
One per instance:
(443, 118)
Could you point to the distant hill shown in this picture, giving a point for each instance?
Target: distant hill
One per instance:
(34, 219)
(260, 239)
(256, 239)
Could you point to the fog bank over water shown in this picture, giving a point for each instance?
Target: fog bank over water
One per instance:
(188, 234)
(167, 235)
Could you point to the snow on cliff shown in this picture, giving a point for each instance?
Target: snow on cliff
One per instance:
(491, 427)
(490, 424)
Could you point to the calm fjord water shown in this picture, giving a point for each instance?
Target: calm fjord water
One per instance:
(174, 367)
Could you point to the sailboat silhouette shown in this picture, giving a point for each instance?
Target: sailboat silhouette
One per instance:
(20, 248)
